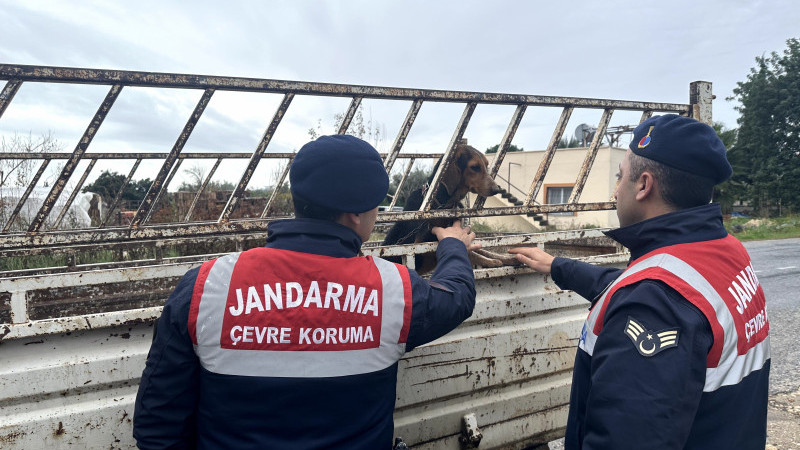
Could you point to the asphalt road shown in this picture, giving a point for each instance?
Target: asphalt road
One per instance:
(777, 266)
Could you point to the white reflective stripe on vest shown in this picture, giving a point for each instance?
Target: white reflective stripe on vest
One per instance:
(732, 368)
(587, 343)
(295, 364)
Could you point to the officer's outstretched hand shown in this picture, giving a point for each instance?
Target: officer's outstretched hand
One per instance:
(533, 257)
(463, 234)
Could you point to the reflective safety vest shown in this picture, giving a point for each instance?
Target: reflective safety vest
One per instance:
(718, 278)
(278, 313)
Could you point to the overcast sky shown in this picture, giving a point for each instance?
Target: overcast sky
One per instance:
(627, 50)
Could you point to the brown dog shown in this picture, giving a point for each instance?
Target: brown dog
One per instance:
(466, 173)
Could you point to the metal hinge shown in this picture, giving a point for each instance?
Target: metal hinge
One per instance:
(470, 433)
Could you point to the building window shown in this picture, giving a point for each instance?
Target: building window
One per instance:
(557, 195)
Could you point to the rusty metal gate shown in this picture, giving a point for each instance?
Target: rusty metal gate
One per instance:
(516, 350)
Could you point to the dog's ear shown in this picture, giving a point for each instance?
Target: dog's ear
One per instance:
(452, 178)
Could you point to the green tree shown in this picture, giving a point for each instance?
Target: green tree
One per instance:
(109, 183)
(570, 142)
(766, 156)
(415, 180)
(511, 148)
(727, 193)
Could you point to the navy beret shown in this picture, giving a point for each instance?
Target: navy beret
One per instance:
(339, 172)
(684, 144)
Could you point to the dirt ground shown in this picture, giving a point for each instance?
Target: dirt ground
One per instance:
(783, 422)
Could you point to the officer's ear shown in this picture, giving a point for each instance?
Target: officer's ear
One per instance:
(646, 186)
(350, 220)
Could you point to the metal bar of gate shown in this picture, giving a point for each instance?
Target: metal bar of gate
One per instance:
(185, 81)
(548, 157)
(591, 154)
(430, 194)
(43, 155)
(74, 193)
(402, 134)
(202, 189)
(176, 231)
(73, 161)
(15, 75)
(161, 192)
(238, 192)
(277, 188)
(25, 196)
(701, 100)
(511, 130)
(149, 201)
(348, 117)
(400, 184)
(121, 190)
(9, 91)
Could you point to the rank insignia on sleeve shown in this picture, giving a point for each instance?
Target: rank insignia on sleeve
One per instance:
(649, 343)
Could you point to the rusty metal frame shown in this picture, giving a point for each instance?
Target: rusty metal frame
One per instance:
(561, 125)
(202, 189)
(401, 183)
(24, 198)
(140, 230)
(348, 117)
(505, 143)
(121, 191)
(413, 110)
(74, 193)
(9, 91)
(590, 156)
(238, 192)
(73, 161)
(430, 194)
(278, 185)
(154, 193)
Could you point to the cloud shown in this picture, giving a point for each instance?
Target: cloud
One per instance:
(614, 49)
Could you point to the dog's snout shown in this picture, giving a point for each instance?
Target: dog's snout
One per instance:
(494, 189)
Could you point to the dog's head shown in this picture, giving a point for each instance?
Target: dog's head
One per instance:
(469, 173)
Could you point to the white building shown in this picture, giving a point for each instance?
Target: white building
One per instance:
(517, 173)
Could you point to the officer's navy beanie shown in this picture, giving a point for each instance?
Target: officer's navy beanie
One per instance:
(684, 144)
(339, 172)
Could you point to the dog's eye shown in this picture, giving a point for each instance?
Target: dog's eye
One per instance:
(475, 167)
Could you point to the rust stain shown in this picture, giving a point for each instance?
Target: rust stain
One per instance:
(467, 373)
(10, 438)
(454, 361)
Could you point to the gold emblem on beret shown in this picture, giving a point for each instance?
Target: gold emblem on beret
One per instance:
(645, 141)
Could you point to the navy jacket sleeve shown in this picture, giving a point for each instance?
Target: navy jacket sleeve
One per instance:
(635, 401)
(165, 404)
(447, 300)
(586, 279)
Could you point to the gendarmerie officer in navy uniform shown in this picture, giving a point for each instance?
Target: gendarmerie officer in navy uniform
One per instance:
(295, 345)
(675, 351)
